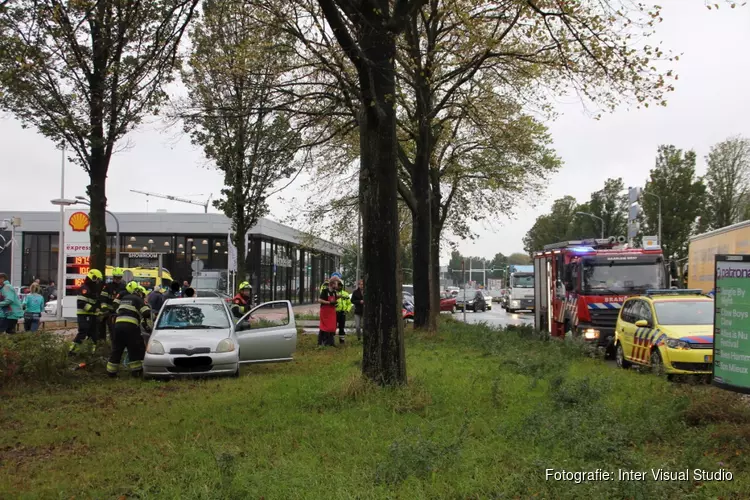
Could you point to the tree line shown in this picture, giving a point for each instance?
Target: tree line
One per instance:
(427, 110)
(690, 204)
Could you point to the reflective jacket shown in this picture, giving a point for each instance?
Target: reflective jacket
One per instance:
(10, 306)
(135, 311)
(87, 302)
(344, 302)
(241, 305)
(109, 295)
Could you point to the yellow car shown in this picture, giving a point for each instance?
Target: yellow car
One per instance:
(670, 330)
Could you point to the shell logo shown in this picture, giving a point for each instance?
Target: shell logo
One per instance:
(79, 221)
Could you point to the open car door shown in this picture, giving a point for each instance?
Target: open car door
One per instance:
(267, 333)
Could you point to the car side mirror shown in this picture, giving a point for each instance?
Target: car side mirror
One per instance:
(641, 323)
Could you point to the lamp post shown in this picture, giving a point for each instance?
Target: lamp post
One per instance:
(594, 217)
(84, 201)
(659, 199)
(62, 203)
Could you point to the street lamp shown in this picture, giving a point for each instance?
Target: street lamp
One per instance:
(85, 201)
(658, 198)
(595, 217)
(62, 203)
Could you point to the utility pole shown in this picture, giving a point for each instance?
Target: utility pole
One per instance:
(484, 274)
(463, 269)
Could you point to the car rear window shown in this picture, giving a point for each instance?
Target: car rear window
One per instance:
(684, 312)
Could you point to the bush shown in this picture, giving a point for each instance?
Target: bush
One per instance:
(33, 356)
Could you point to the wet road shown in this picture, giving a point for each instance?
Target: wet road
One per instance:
(497, 317)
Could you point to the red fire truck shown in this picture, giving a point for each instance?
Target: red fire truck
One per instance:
(580, 286)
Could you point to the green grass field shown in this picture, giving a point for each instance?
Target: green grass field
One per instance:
(485, 413)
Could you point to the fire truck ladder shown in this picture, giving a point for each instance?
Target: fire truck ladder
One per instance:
(175, 198)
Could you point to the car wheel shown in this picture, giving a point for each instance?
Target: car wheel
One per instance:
(657, 365)
(453, 310)
(620, 357)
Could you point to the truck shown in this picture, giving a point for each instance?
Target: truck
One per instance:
(580, 286)
(520, 293)
(702, 249)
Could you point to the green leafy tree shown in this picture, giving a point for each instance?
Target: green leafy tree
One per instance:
(611, 205)
(235, 67)
(682, 196)
(84, 73)
(553, 227)
(727, 183)
(519, 259)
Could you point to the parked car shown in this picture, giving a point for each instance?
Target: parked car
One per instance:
(407, 311)
(51, 307)
(447, 302)
(453, 290)
(198, 336)
(472, 300)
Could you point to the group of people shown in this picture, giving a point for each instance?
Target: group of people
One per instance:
(125, 310)
(13, 309)
(335, 303)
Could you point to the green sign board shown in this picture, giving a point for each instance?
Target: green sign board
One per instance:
(732, 323)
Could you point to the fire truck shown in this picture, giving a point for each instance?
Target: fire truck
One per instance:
(579, 286)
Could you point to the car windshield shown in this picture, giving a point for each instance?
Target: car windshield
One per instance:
(192, 316)
(617, 278)
(523, 281)
(408, 289)
(684, 312)
(466, 295)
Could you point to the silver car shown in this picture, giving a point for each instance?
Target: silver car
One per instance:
(199, 336)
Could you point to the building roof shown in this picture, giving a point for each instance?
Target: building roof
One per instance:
(176, 223)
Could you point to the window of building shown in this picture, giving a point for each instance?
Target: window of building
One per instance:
(39, 260)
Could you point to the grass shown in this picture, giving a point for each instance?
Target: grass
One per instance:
(484, 414)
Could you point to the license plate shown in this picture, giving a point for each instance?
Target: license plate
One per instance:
(708, 359)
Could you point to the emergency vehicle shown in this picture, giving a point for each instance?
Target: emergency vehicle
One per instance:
(580, 285)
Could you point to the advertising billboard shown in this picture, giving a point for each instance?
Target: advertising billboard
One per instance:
(731, 362)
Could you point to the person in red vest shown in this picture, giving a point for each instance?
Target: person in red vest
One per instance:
(328, 299)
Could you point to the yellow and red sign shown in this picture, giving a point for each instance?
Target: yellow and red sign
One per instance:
(79, 222)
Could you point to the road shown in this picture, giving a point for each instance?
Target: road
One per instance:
(498, 317)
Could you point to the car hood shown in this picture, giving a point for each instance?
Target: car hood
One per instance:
(696, 334)
(185, 338)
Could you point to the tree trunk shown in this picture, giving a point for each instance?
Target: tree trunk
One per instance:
(239, 243)
(436, 229)
(421, 220)
(383, 359)
(98, 229)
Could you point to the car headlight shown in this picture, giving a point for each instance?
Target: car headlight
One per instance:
(470, 302)
(515, 302)
(590, 334)
(155, 347)
(678, 344)
(226, 345)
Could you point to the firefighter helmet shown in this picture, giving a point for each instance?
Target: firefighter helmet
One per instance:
(94, 274)
(142, 290)
(245, 286)
(117, 272)
(132, 287)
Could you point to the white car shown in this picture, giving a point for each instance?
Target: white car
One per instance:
(51, 307)
(199, 336)
(488, 299)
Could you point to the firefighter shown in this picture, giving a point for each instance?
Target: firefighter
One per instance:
(87, 309)
(243, 301)
(109, 300)
(132, 314)
(343, 306)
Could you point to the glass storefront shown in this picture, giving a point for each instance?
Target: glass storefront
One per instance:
(277, 270)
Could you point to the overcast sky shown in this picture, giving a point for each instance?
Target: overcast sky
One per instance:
(710, 104)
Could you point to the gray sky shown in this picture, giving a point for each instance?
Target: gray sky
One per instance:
(710, 104)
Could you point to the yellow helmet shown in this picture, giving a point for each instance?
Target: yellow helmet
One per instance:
(117, 272)
(132, 287)
(95, 274)
(142, 290)
(245, 285)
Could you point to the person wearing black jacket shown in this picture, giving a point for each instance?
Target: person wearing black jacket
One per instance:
(358, 299)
